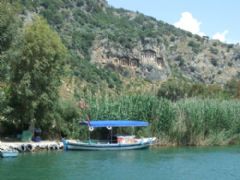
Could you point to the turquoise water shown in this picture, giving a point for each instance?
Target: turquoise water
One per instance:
(158, 163)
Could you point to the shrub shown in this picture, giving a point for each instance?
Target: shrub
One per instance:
(173, 89)
(195, 46)
(180, 60)
(214, 62)
(233, 87)
(176, 89)
(214, 50)
(172, 38)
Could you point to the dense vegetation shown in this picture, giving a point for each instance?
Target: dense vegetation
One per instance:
(40, 53)
(175, 89)
(191, 121)
(35, 73)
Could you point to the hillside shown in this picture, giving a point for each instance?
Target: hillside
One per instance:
(64, 60)
(135, 45)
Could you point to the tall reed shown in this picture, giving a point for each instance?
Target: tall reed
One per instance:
(185, 122)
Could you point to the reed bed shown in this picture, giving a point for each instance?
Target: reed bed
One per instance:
(185, 122)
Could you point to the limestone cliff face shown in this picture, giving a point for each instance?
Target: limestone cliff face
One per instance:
(214, 62)
(147, 59)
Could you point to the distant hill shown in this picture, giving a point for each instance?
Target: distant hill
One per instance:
(134, 45)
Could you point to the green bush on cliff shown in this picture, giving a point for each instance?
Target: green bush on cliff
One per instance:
(196, 48)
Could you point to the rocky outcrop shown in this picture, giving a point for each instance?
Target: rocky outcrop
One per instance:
(214, 63)
(145, 60)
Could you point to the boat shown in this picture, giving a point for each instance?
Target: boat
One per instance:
(5, 153)
(122, 142)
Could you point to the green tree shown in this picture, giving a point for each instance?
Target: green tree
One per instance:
(233, 87)
(36, 69)
(7, 31)
(8, 26)
(174, 89)
(7, 19)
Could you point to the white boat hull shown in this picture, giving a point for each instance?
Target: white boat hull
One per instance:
(77, 145)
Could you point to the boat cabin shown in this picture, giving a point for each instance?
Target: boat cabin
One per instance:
(112, 131)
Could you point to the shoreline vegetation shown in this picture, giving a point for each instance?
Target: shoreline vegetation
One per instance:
(186, 122)
(35, 59)
(193, 122)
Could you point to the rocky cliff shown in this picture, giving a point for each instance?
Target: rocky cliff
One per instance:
(137, 45)
(194, 57)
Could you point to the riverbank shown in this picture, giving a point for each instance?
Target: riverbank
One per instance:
(32, 146)
(55, 145)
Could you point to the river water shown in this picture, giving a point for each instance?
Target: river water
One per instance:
(155, 163)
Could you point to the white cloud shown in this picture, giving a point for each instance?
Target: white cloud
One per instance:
(189, 23)
(220, 36)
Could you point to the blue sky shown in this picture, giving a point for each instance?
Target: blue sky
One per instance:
(218, 19)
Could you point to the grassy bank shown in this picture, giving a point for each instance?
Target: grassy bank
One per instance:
(185, 122)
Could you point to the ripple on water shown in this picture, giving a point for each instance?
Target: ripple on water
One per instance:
(163, 163)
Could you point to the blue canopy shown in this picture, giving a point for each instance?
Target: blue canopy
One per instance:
(115, 123)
